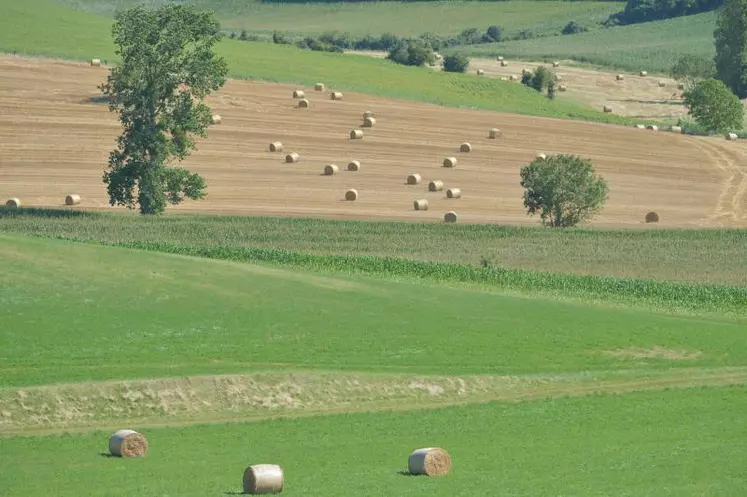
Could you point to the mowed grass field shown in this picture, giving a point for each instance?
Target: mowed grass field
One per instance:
(42, 28)
(651, 46)
(544, 17)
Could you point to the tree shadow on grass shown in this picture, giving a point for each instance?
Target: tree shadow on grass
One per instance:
(106, 454)
(11, 212)
(405, 473)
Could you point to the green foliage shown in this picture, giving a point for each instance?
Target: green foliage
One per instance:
(493, 34)
(637, 11)
(542, 79)
(412, 53)
(714, 107)
(731, 46)
(456, 63)
(692, 68)
(168, 67)
(573, 28)
(563, 189)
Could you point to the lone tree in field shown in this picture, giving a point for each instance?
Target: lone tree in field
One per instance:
(167, 68)
(563, 189)
(714, 106)
(731, 46)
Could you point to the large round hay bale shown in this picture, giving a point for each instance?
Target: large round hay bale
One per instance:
(607, 108)
(368, 113)
(351, 194)
(480, 72)
(435, 186)
(450, 217)
(303, 104)
(504, 63)
(128, 443)
(465, 147)
(413, 179)
(652, 127)
(95, 63)
(676, 129)
(430, 461)
(217, 119)
(453, 193)
(494, 133)
(263, 479)
(292, 157)
(420, 205)
(731, 136)
(643, 73)
(562, 88)
(662, 84)
(680, 86)
(450, 162)
(652, 217)
(512, 78)
(13, 202)
(319, 87)
(640, 126)
(298, 94)
(335, 95)
(558, 77)
(331, 169)
(556, 64)
(356, 134)
(500, 58)
(369, 122)
(276, 147)
(540, 156)
(620, 77)
(72, 199)
(354, 165)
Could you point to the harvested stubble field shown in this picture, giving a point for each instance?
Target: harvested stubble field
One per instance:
(55, 140)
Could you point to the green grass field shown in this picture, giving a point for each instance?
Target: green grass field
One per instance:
(37, 27)
(714, 256)
(401, 18)
(653, 46)
(659, 444)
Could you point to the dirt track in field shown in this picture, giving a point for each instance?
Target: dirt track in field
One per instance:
(54, 140)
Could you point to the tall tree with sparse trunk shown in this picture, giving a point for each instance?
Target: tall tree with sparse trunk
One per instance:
(731, 46)
(167, 69)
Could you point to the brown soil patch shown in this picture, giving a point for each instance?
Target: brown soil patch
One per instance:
(55, 139)
(655, 353)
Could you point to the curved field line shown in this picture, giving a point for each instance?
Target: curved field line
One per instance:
(734, 187)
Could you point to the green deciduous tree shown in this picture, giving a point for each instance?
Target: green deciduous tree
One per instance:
(412, 53)
(167, 68)
(563, 189)
(692, 68)
(731, 46)
(714, 107)
(455, 63)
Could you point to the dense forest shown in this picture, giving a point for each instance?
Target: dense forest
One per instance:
(653, 10)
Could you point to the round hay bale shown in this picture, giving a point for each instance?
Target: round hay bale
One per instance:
(500, 58)
(558, 77)
(450, 162)
(331, 169)
(562, 88)
(652, 217)
(731, 136)
(494, 133)
(504, 63)
(298, 94)
(351, 194)
(72, 199)
(303, 104)
(676, 129)
(662, 84)
(620, 77)
(652, 127)
(413, 179)
(263, 479)
(217, 119)
(368, 113)
(13, 203)
(319, 87)
(292, 157)
(525, 71)
(436, 186)
(512, 78)
(438, 56)
(556, 64)
(354, 165)
(420, 205)
(276, 147)
(480, 72)
(607, 108)
(356, 134)
(640, 126)
(465, 147)
(680, 86)
(643, 73)
(504, 78)
(335, 95)
(95, 63)
(128, 443)
(453, 193)
(369, 122)
(540, 156)
(450, 217)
